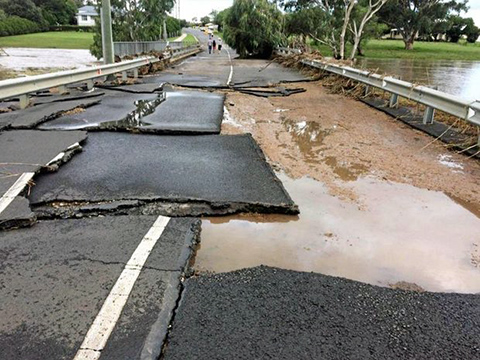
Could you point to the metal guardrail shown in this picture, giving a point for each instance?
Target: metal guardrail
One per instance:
(468, 110)
(21, 87)
(125, 48)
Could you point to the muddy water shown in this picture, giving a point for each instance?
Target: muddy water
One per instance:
(452, 76)
(398, 234)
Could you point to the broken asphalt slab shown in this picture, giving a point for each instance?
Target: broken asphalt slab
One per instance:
(277, 92)
(272, 313)
(29, 151)
(142, 88)
(35, 115)
(115, 106)
(17, 214)
(170, 112)
(177, 175)
(56, 276)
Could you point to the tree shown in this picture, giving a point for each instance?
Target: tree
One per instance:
(337, 20)
(23, 8)
(253, 27)
(134, 20)
(205, 20)
(57, 12)
(366, 11)
(410, 17)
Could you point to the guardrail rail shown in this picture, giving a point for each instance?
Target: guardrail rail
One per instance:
(22, 87)
(466, 109)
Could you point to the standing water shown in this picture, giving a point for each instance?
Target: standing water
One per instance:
(456, 77)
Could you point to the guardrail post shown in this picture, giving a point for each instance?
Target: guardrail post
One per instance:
(428, 115)
(90, 84)
(393, 103)
(124, 76)
(135, 73)
(24, 101)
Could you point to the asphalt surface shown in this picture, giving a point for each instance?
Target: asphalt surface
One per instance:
(55, 276)
(24, 151)
(268, 313)
(35, 115)
(138, 107)
(227, 172)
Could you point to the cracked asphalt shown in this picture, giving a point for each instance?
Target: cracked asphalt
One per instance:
(100, 191)
(99, 227)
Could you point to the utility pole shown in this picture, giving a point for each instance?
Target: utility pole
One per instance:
(107, 37)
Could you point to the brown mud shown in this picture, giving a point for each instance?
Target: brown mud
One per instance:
(379, 202)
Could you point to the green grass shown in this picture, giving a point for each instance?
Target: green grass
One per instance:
(387, 49)
(190, 39)
(51, 40)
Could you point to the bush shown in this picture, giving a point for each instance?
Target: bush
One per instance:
(14, 25)
(77, 28)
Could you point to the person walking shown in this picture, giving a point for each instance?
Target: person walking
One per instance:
(220, 45)
(210, 46)
(214, 45)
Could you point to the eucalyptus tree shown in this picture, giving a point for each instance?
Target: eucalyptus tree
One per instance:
(410, 17)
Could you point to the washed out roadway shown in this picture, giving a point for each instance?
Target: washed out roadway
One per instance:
(229, 173)
(55, 276)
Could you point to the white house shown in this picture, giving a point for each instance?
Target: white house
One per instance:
(87, 16)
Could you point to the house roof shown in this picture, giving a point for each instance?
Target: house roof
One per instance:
(87, 10)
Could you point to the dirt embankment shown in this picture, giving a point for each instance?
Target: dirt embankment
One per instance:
(335, 139)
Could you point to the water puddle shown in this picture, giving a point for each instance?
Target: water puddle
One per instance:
(307, 135)
(346, 172)
(402, 235)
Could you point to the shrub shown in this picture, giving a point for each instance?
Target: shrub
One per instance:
(15, 25)
(78, 28)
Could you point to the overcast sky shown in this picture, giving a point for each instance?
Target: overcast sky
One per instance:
(199, 8)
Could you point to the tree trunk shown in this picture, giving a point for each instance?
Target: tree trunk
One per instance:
(408, 40)
(346, 20)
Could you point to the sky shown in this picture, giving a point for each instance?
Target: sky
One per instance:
(200, 8)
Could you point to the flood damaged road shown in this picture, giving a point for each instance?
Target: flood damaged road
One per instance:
(141, 236)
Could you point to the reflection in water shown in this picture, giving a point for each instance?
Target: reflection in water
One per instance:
(455, 77)
(308, 135)
(402, 234)
(134, 119)
(346, 173)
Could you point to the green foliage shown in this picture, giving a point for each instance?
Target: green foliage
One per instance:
(174, 28)
(23, 8)
(134, 20)
(77, 28)
(14, 25)
(253, 27)
(58, 12)
(205, 20)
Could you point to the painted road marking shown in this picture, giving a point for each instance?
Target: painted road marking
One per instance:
(15, 189)
(62, 154)
(231, 68)
(103, 325)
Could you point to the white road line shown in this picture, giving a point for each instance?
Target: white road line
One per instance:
(231, 67)
(103, 325)
(15, 189)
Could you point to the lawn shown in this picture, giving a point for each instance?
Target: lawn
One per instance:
(386, 49)
(51, 40)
